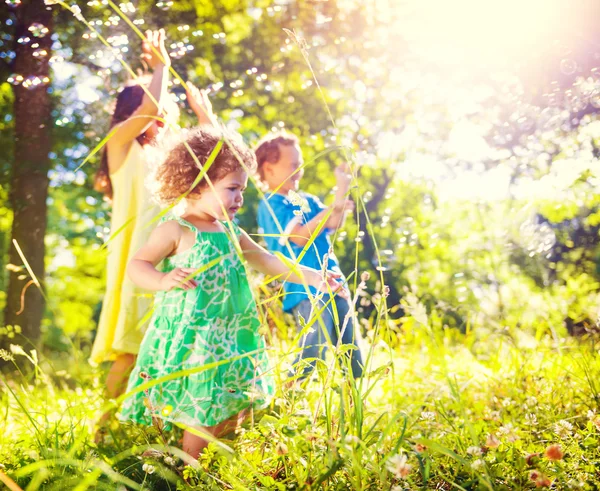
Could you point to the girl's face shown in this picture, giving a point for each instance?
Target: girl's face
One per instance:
(226, 199)
(155, 131)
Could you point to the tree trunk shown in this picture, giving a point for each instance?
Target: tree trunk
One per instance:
(29, 180)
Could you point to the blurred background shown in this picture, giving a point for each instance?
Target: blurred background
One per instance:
(474, 126)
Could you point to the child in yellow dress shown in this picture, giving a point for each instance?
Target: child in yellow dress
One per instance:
(121, 177)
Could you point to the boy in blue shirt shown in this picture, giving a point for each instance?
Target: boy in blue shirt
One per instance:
(289, 218)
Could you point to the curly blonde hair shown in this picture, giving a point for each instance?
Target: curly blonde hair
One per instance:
(177, 173)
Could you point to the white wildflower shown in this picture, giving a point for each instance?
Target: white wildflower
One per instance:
(6, 356)
(573, 484)
(148, 468)
(508, 432)
(298, 200)
(352, 440)
(563, 428)
(478, 464)
(531, 401)
(17, 350)
(76, 11)
(507, 402)
(531, 419)
(281, 448)
(474, 450)
(397, 465)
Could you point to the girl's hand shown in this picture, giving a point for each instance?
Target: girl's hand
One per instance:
(156, 40)
(330, 282)
(177, 279)
(200, 104)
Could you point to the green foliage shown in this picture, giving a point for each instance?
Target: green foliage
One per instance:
(463, 259)
(441, 410)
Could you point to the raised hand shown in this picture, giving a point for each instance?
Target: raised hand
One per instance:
(343, 176)
(178, 278)
(200, 104)
(153, 49)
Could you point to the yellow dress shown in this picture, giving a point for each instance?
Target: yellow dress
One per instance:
(126, 308)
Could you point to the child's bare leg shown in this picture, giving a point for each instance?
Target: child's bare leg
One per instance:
(118, 375)
(194, 444)
(230, 424)
(116, 383)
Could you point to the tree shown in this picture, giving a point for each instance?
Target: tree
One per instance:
(29, 173)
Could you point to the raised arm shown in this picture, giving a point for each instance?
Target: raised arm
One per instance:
(200, 104)
(163, 241)
(139, 121)
(302, 232)
(269, 264)
(332, 217)
(343, 178)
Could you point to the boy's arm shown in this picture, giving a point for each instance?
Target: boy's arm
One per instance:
(278, 219)
(269, 264)
(302, 232)
(343, 178)
(142, 267)
(334, 215)
(339, 215)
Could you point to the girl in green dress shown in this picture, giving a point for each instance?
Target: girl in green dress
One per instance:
(202, 347)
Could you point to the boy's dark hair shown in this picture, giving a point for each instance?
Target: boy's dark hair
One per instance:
(179, 170)
(267, 149)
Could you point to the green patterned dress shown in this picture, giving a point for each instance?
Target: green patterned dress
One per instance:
(211, 330)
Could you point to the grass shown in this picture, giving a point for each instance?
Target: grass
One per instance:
(436, 411)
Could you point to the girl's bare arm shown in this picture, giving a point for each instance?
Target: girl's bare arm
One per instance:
(269, 264)
(163, 242)
(141, 118)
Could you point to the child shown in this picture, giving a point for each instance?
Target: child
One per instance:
(205, 316)
(123, 168)
(289, 220)
(121, 179)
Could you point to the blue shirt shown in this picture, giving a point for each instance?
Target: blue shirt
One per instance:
(277, 216)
